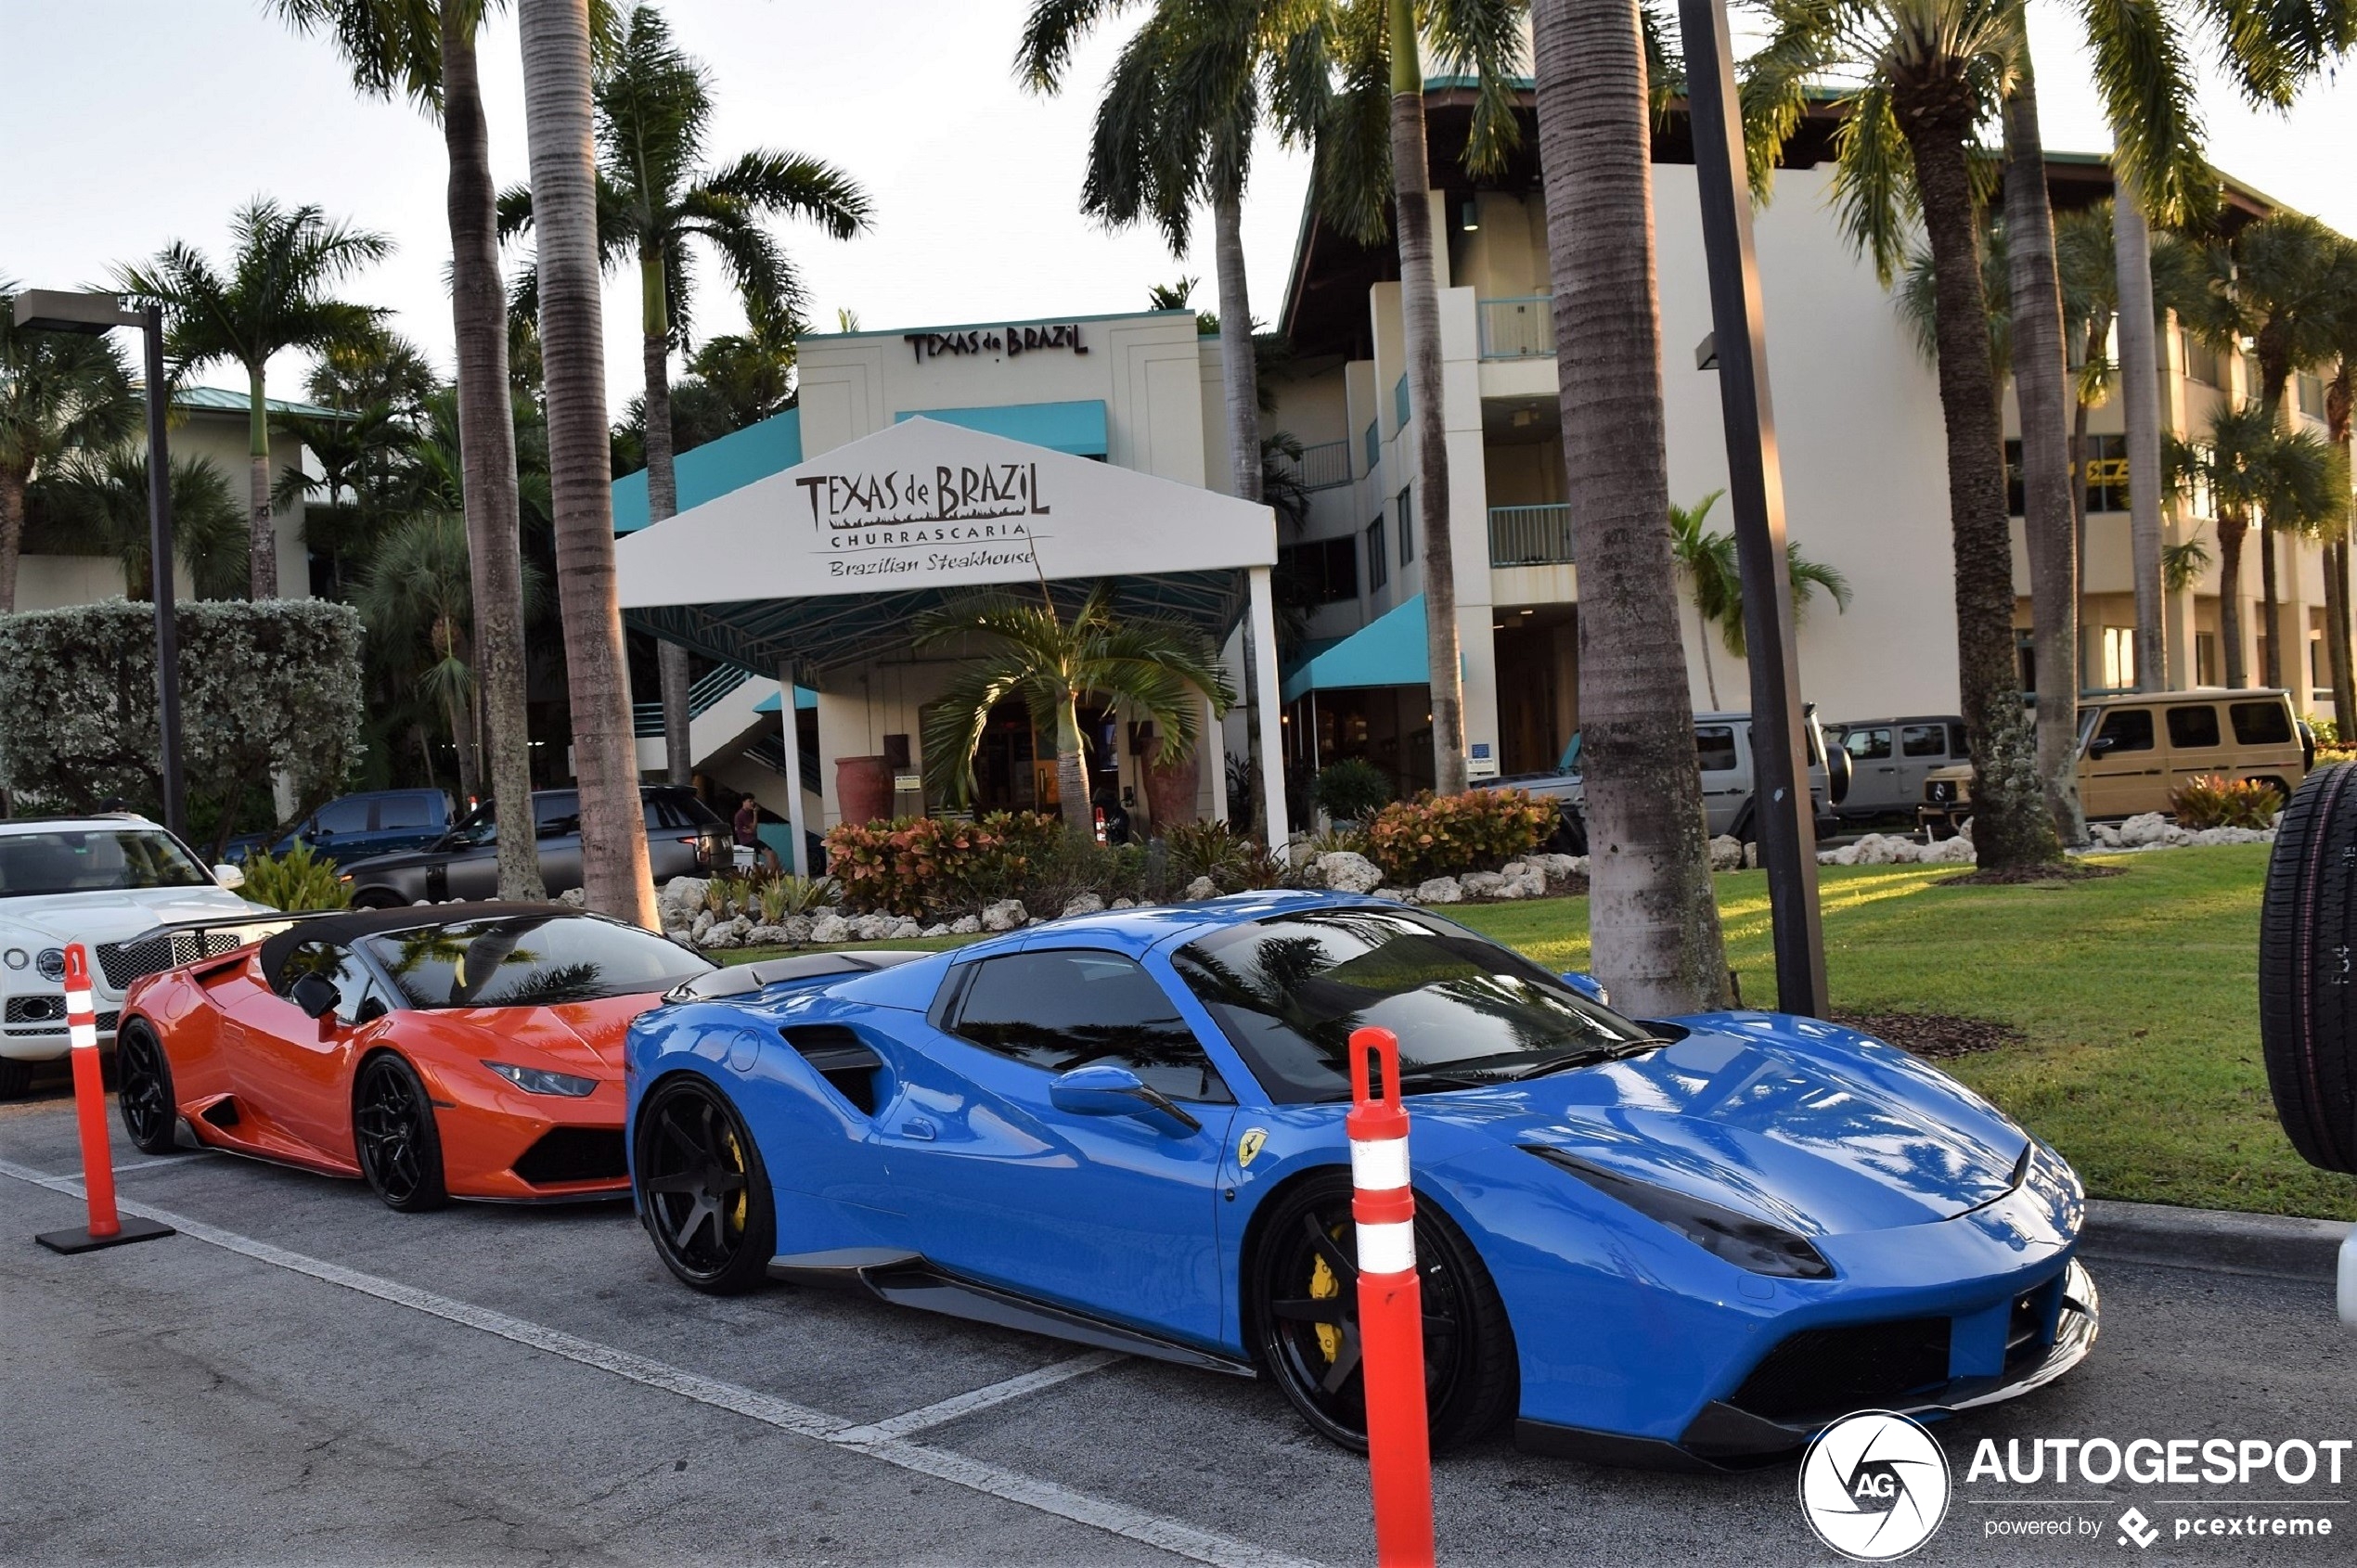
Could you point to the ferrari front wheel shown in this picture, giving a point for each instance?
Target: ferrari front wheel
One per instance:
(1304, 1300)
(702, 1188)
(394, 1132)
(143, 1088)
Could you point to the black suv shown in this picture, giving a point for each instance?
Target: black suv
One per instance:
(685, 838)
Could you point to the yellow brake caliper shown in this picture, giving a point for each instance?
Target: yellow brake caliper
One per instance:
(736, 1163)
(1323, 1286)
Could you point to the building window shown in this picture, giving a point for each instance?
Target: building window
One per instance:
(1406, 526)
(2202, 362)
(2107, 475)
(1378, 560)
(2318, 676)
(2311, 393)
(2026, 658)
(2120, 658)
(1320, 571)
(2205, 659)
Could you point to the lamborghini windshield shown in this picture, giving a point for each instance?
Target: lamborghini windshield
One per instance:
(536, 960)
(1289, 990)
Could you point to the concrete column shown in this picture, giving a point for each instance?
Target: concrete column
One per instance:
(1266, 712)
(791, 719)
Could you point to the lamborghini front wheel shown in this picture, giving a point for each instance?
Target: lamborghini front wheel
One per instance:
(702, 1188)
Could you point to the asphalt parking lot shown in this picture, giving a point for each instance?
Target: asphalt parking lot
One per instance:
(304, 1376)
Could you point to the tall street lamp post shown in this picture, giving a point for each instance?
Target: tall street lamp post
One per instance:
(45, 310)
(1756, 486)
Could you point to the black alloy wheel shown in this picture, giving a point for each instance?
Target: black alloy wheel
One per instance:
(1304, 1300)
(2307, 1010)
(703, 1191)
(393, 1129)
(143, 1088)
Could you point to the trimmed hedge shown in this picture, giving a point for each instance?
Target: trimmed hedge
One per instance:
(921, 866)
(1449, 835)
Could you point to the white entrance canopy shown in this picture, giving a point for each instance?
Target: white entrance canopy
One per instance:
(826, 564)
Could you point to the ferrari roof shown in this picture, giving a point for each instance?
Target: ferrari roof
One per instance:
(348, 925)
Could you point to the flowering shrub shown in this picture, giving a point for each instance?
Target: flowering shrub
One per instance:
(925, 865)
(1449, 835)
(2213, 801)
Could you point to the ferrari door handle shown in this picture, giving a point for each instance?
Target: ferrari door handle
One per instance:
(917, 1127)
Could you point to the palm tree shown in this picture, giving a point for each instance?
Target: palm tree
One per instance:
(2339, 393)
(1708, 559)
(103, 510)
(425, 50)
(1931, 73)
(1158, 668)
(560, 124)
(653, 108)
(59, 390)
(283, 262)
(2250, 468)
(1372, 173)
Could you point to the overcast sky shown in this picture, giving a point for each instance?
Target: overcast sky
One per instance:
(125, 124)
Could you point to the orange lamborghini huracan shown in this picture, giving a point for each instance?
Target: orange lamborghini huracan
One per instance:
(455, 1050)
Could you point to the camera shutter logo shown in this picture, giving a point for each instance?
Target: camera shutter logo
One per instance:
(1873, 1486)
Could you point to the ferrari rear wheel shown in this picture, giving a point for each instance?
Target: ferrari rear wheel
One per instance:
(393, 1129)
(702, 1189)
(1305, 1298)
(143, 1088)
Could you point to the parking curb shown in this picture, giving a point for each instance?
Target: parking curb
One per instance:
(2214, 1240)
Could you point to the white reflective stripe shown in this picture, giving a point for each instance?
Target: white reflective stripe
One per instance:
(78, 1001)
(1388, 1249)
(83, 1035)
(1378, 1164)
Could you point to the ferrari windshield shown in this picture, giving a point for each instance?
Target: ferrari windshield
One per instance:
(95, 860)
(530, 960)
(1289, 990)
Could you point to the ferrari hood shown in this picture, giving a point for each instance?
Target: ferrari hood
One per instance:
(1824, 1138)
(583, 1037)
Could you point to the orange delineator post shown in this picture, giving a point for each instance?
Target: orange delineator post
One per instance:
(1391, 1321)
(105, 1228)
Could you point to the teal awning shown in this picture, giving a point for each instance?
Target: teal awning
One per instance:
(804, 700)
(1077, 428)
(715, 467)
(1389, 650)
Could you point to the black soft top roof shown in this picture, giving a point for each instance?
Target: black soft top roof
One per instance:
(349, 926)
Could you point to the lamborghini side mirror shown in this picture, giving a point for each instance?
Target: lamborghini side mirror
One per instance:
(316, 995)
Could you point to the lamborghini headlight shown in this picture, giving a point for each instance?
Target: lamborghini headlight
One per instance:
(540, 1080)
(1748, 1243)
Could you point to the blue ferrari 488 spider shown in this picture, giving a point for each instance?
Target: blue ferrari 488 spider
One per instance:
(1688, 1242)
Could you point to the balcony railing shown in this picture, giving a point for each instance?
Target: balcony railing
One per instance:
(1530, 535)
(646, 718)
(1519, 328)
(1320, 467)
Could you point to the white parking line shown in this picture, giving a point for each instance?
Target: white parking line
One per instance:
(874, 1441)
(946, 1410)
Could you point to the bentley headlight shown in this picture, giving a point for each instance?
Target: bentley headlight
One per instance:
(1747, 1242)
(51, 963)
(540, 1080)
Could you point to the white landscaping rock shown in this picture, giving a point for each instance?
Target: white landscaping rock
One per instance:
(1348, 871)
(939, 928)
(1481, 884)
(1396, 895)
(905, 928)
(873, 928)
(797, 929)
(2151, 828)
(829, 930)
(2233, 836)
(701, 928)
(965, 925)
(1083, 904)
(768, 936)
(1751, 855)
(574, 898)
(1947, 852)
(1883, 849)
(1439, 889)
(1305, 872)
(1122, 903)
(1008, 914)
(2102, 835)
(684, 893)
(1201, 887)
(1530, 881)
(1726, 852)
(1558, 867)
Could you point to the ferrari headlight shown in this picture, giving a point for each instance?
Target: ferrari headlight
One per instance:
(1748, 1243)
(540, 1080)
(16, 958)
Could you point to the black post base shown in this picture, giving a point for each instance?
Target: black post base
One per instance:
(79, 1239)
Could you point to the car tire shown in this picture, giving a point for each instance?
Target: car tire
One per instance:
(394, 1135)
(2306, 986)
(143, 1089)
(16, 1078)
(1305, 1257)
(702, 1188)
(376, 898)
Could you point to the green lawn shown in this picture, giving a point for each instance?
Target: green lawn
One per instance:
(2137, 994)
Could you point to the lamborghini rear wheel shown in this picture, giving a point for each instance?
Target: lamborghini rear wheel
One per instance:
(393, 1131)
(1304, 1300)
(143, 1089)
(702, 1188)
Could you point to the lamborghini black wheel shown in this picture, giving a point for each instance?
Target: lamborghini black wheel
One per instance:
(1304, 1300)
(702, 1188)
(393, 1131)
(143, 1088)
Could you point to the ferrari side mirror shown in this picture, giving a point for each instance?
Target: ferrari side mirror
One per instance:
(1107, 1090)
(316, 995)
(1588, 985)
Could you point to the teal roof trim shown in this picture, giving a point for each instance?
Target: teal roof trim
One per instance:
(715, 467)
(804, 700)
(1077, 428)
(1389, 650)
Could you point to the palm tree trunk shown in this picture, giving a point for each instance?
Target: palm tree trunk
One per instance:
(2011, 826)
(2229, 598)
(2042, 379)
(560, 129)
(1652, 917)
(11, 536)
(1072, 772)
(2336, 627)
(1709, 676)
(2139, 406)
(1420, 313)
(663, 501)
(2337, 631)
(262, 576)
(2271, 660)
(487, 455)
(2098, 333)
(1240, 379)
